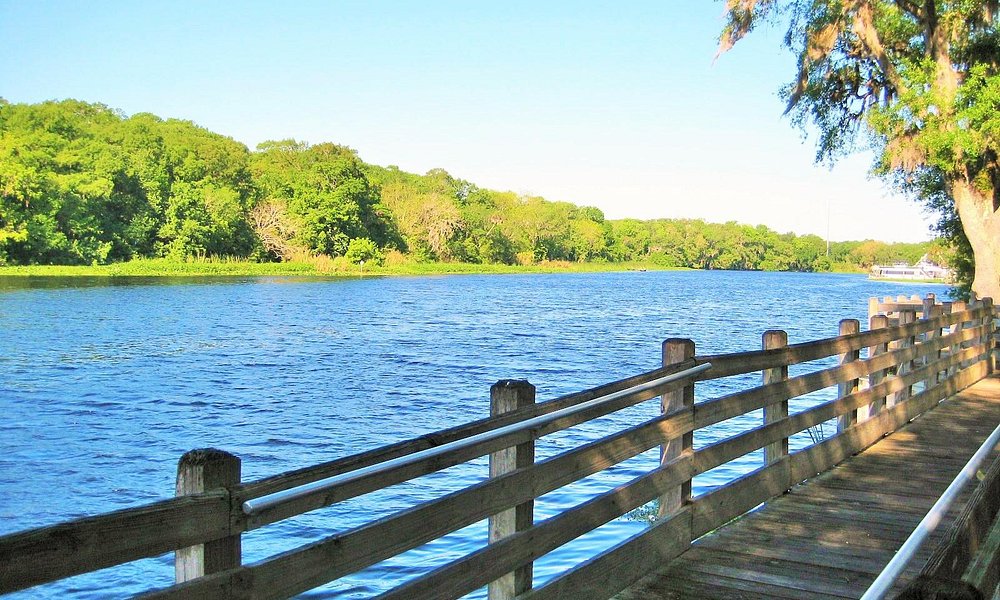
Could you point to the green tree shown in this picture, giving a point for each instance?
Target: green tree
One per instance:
(920, 79)
(630, 240)
(51, 191)
(871, 252)
(807, 251)
(326, 193)
(362, 250)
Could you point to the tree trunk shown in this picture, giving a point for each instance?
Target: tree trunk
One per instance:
(982, 226)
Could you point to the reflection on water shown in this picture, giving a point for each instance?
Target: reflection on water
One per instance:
(106, 382)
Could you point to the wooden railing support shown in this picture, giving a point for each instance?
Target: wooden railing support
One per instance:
(957, 306)
(906, 317)
(876, 377)
(505, 396)
(201, 471)
(775, 338)
(930, 311)
(676, 350)
(990, 337)
(848, 327)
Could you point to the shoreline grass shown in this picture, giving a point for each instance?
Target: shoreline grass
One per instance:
(243, 268)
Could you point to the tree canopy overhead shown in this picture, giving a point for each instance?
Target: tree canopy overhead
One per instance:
(917, 80)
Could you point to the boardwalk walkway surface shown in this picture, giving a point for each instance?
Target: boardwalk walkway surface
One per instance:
(830, 536)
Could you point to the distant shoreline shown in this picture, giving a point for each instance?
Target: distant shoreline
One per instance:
(222, 268)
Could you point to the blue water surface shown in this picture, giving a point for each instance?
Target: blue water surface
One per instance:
(104, 384)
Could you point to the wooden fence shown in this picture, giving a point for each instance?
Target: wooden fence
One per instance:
(885, 377)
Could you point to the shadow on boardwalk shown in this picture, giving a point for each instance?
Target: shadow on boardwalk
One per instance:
(830, 536)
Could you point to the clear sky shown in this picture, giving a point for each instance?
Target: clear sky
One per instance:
(617, 105)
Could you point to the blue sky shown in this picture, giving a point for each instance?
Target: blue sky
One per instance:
(617, 105)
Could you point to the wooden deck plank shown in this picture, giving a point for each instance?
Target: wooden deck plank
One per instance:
(796, 578)
(829, 537)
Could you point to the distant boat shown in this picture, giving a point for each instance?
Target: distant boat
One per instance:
(924, 270)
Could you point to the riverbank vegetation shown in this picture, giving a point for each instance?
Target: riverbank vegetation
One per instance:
(82, 184)
(309, 267)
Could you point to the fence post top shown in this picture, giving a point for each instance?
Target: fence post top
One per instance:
(202, 456)
(512, 384)
(879, 321)
(849, 326)
(771, 336)
(678, 342)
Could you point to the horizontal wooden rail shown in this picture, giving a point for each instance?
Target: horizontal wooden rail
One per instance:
(739, 363)
(313, 473)
(736, 446)
(624, 563)
(475, 570)
(348, 485)
(50, 553)
(351, 551)
(739, 403)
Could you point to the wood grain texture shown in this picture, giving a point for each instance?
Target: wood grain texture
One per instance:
(777, 411)
(830, 536)
(508, 396)
(676, 351)
(738, 363)
(201, 471)
(92, 543)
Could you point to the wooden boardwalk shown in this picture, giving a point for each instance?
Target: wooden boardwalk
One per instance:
(830, 536)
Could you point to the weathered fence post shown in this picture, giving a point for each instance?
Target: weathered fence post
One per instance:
(676, 350)
(930, 312)
(946, 308)
(848, 327)
(928, 304)
(505, 396)
(906, 317)
(201, 471)
(872, 307)
(876, 377)
(957, 306)
(988, 338)
(775, 338)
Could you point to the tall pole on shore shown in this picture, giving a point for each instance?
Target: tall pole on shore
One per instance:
(828, 227)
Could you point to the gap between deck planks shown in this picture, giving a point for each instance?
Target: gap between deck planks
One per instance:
(830, 536)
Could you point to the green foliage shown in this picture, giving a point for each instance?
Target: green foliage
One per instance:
(324, 190)
(82, 184)
(918, 83)
(363, 250)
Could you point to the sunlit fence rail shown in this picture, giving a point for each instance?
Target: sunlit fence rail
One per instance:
(884, 377)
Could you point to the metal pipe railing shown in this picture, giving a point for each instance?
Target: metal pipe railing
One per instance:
(887, 578)
(257, 505)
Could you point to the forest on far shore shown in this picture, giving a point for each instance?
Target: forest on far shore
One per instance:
(81, 183)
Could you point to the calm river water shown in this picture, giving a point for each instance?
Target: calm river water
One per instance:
(103, 386)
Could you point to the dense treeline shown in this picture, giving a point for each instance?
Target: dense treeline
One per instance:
(83, 184)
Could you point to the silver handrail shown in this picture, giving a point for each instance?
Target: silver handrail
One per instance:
(257, 505)
(887, 578)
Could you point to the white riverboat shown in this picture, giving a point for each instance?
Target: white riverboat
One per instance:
(924, 270)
